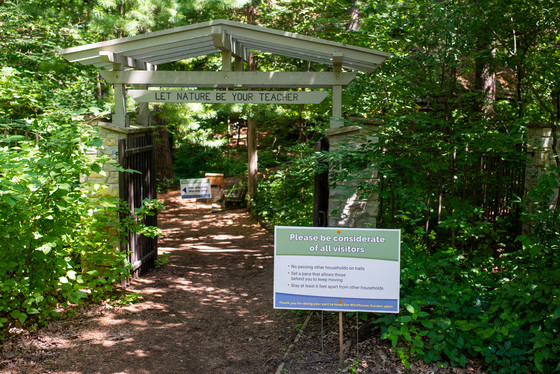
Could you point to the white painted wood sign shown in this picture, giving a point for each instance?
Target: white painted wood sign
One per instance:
(228, 97)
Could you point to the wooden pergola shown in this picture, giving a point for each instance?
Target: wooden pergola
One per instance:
(133, 62)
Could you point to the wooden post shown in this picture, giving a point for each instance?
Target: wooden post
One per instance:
(340, 337)
(143, 108)
(336, 117)
(226, 61)
(252, 135)
(321, 189)
(238, 64)
(120, 118)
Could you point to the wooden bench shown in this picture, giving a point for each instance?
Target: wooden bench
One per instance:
(235, 197)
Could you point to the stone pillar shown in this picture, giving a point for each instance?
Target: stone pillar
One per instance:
(109, 175)
(539, 147)
(346, 209)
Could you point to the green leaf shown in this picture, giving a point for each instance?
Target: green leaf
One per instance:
(485, 333)
(12, 138)
(11, 202)
(556, 314)
(123, 170)
(410, 308)
(22, 317)
(464, 325)
(427, 323)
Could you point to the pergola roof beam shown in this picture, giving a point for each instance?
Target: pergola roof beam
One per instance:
(126, 61)
(222, 35)
(275, 41)
(230, 79)
(221, 39)
(182, 56)
(239, 50)
(139, 42)
(162, 49)
(176, 54)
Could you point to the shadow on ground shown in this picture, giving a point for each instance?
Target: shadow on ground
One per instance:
(209, 310)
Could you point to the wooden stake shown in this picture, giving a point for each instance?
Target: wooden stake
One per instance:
(340, 337)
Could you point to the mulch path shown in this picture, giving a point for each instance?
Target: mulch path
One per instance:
(209, 310)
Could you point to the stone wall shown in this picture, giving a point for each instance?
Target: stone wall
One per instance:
(346, 209)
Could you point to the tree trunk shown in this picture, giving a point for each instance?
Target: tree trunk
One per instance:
(252, 124)
(354, 13)
(253, 156)
(485, 78)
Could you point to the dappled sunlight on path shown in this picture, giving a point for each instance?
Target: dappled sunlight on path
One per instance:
(208, 310)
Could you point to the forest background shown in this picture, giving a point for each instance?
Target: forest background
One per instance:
(467, 83)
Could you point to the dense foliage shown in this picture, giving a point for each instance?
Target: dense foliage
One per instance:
(56, 249)
(58, 237)
(457, 100)
(454, 106)
(285, 195)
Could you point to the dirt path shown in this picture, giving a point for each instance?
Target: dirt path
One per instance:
(209, 310)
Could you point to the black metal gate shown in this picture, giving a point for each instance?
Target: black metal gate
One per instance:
(138, 153)
(321, 189)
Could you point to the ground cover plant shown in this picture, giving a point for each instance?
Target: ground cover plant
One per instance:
(455, 104)
(457, 306)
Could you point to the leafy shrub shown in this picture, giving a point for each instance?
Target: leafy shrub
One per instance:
(285, 196)
(505, 311)
(194, 160)
(58, 240)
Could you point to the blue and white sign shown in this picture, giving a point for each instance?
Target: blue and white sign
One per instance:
(196, 188)
(337, 269)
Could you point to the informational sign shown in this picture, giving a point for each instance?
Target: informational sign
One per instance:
(198, 188)
(246, 97)
(337, 269)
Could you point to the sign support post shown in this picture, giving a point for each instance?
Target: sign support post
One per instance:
(340, 337)
(337, 269)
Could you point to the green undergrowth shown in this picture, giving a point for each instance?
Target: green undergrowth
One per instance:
(502, 311)
(285, 196)
(59, 237)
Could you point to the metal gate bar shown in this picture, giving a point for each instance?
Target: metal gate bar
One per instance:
(137, 153)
